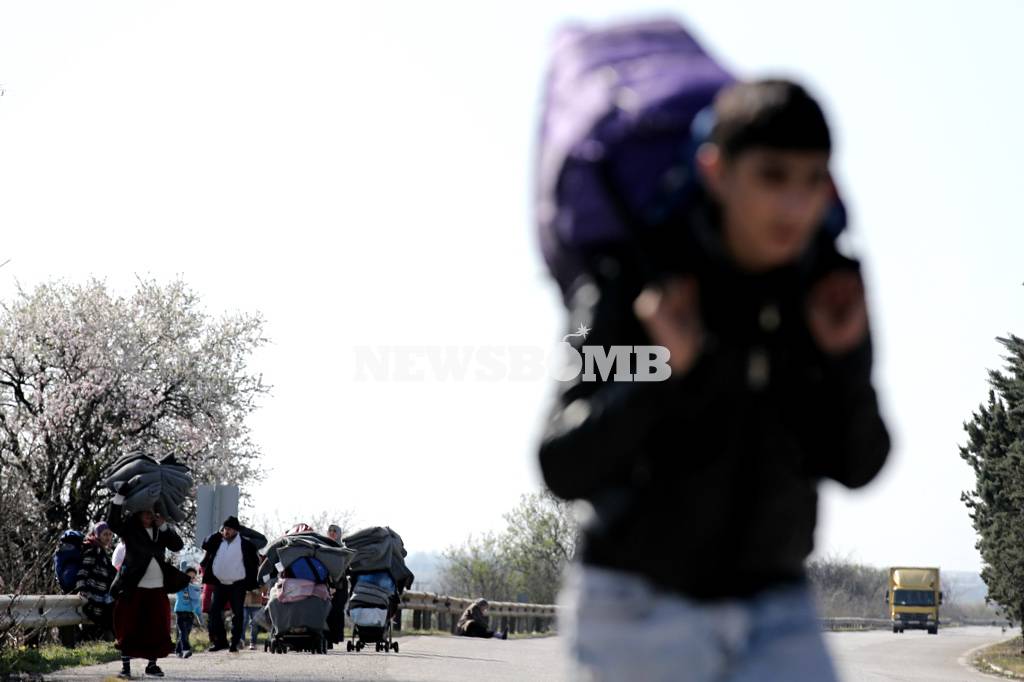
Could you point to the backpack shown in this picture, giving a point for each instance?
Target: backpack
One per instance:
(68, 559)
(308, 568)
(625, 110)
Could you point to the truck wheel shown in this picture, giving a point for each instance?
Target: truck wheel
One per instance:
(933, 630)
(895, 630)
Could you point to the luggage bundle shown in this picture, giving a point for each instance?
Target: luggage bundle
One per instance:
(149, 484)
(380, 549)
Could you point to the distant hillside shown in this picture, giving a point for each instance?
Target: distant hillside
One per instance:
(426, 567)
(966, 587)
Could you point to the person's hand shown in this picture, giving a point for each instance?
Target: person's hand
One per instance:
(670, 313)
(837, 313)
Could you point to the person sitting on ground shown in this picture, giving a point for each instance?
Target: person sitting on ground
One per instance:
(473, 622)
(95, 574)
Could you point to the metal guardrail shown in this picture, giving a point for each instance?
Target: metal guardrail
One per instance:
(427, 601)
(37, 610)
(885, 623)
(855, 623)
(59, 610)
(511, 617)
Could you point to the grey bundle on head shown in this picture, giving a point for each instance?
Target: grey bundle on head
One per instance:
(150, 484)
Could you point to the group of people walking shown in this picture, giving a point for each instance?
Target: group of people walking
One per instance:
(127, 595)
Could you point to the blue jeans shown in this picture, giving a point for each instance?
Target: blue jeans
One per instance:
(618, 626)
(250, 623)
(184, 631)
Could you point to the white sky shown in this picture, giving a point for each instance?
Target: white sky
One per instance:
(361, 174)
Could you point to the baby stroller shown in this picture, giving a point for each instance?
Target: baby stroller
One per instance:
(372, 608)
(379, 575)
(302, 569)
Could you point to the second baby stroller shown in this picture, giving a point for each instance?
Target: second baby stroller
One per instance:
(379, 576)
(372, 608)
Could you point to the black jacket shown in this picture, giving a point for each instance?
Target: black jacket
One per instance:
(250, 556)
(140, 548)
(707, 483)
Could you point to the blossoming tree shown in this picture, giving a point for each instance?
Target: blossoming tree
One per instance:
(87, 375)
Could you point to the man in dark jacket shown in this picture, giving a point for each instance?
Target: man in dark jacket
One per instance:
(230, 566)
(704, 486)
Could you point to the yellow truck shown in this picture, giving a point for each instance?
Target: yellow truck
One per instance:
(914, 596)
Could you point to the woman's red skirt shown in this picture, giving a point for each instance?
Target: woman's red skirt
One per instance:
(142, 624)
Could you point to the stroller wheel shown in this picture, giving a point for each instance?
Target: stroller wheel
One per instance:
(350, 646)
(394, 645)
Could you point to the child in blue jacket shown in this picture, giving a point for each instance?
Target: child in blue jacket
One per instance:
(187, 609)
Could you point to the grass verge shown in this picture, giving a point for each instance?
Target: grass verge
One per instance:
(30, 662)
(1004, 659)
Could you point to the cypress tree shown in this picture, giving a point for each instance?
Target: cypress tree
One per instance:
(995, 451)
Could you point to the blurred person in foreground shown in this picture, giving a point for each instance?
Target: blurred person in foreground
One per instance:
(703, 487)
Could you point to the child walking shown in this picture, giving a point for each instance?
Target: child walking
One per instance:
(187, 611)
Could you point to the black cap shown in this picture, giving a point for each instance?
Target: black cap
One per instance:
(232, 522)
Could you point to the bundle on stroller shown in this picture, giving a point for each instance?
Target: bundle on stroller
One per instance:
(301, 569)
(379, 576)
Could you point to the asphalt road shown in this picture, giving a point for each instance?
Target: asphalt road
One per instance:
(913, 656)
(427, 659)
(859, 656)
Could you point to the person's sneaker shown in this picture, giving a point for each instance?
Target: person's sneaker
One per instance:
(124, 675)
(188, 653)
(217, 647)
(233, 649)
(178, 654)
(252, 647)
(154, 670)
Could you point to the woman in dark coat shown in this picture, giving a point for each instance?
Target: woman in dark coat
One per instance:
(95, 574)
(142, 612)
(473, 622)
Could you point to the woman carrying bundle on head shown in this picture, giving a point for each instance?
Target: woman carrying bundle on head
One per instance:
(142, 613)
